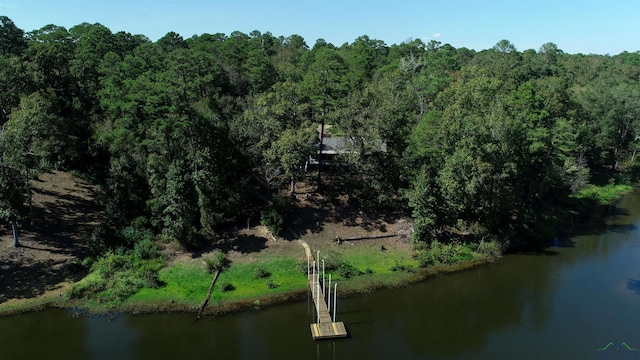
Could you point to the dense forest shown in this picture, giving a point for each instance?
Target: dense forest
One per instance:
(188, 136)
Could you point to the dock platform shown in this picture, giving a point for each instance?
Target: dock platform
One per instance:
(325, 328)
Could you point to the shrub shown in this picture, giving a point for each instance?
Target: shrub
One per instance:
(332, 261)
(490, 248)
(117, 275)
(145, 249)
(443, 254)
(273, 217)
(260, 273)
(303, 267)
(228, 287)
(271, 284)
(132, 236)
(347, 271)
(216, 262)
(397, 266)
(272, 220)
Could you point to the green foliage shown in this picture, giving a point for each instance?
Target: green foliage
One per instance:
(348, 271)
(194, 134)
(272, 220)
(603, 195)
(438, 253)
(273, 216)
(397, 266)
(271, 284)
(217, 262)
(261, 273)
(332, 260)
(12, 195)
(116, 276)
(226, 287)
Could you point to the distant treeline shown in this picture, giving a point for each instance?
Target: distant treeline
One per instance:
(188, 135)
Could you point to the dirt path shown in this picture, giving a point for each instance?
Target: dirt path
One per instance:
(66, 212)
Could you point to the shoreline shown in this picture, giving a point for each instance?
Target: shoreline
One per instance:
(357, 286)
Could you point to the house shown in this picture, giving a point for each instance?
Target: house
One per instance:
(333, 147)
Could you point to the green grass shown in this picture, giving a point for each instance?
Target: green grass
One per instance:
(187, 283)
(604, 195)
(379, 262)
(369, 260)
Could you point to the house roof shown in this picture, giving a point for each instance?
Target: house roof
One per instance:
(341, 145)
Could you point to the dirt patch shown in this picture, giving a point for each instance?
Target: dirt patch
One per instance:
(48, 260)
(317, 220)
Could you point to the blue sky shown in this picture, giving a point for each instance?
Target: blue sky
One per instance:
(576, 26)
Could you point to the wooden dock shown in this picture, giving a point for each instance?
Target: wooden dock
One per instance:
(325, 328)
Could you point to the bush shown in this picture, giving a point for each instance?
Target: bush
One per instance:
(260, 273)
(132, 236)
(303, 267)
(271, 284)
(273, 217)
(603, 195)
(272, 220)
(397, 266)
(145, 249)
(348, 271)
(117, 275)
(228, 287)
(490, 248)
(216, 262)
(332, 261)
(443, 254)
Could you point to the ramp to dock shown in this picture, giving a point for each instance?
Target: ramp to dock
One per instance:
(325, 328)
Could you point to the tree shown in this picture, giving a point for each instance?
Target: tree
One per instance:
(11, 191)
(13, 84)
(325, 83)
(291, 151)
(11, 198)
(12, 41)
(504, 46)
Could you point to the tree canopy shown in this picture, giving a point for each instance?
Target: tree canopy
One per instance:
(189, 135)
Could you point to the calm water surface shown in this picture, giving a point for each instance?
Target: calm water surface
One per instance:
(565, 303)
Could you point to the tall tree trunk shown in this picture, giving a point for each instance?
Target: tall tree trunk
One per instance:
(30, 197)
(320, 149)
(293, 185)
(16, 232)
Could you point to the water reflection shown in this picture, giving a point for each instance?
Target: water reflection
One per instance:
(634, 285)
(45, 335)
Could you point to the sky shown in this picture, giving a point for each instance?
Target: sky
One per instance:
(575, 26)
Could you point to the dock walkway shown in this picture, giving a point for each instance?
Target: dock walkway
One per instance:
(325, 327)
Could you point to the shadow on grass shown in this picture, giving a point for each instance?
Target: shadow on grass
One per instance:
(244, 244)
(20, 280)
(51, 250)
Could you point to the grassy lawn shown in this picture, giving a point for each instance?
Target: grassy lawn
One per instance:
(368, 258)
(187, 283)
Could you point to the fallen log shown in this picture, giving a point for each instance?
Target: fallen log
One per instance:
(206, 300)
(339, 239)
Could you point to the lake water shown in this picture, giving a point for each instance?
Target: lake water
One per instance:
(565, 303)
